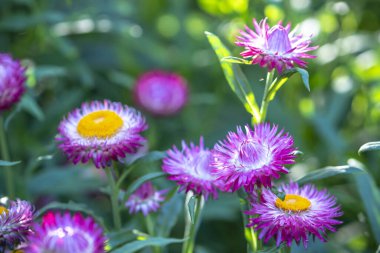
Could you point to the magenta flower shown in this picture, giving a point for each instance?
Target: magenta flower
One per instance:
(190, 168)
(304, 211)
(15, 223)
(145, 199)
(66, 234)
(101, 132)
(161, 93)
(275, 47)
(252, 158)
(12, 78)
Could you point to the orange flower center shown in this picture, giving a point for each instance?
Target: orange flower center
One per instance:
(293, 203)
(100, 124)
(3, 210)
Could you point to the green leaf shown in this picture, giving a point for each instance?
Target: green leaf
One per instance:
(370, 196)
(191, 207)
(305, 77)
(237, 60)
(330, 172)
(168, 215)
(116, 239)
(8, 163)
(152, 156)
(143, 242)
(30, 105)
(370, 146)
(136, 184)
(71, 206)
(235, 77)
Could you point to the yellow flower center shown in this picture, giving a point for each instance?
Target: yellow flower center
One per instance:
(100, 124)
(293, 203)
(3, 210)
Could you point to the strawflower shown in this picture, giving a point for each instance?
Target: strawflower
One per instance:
(101, 132)
(253, 158)
(274, 47)
(161, 93)
(304, 211)
(66, 234)
(145, 199)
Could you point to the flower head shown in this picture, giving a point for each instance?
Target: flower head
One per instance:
(12, 78)
(66, 234)
(275, 47)
(304, 211)
(161, 93)
(190, 167)
(101, 132)
(15, 223)
(252, 158)
(145, 199)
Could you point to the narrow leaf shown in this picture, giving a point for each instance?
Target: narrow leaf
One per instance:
(146, 242)
(370, 146)
(305, 77)
(191, 207)
(30, 105)
(329, 172)
(237, 60)
(136, 184)
(8, 163)
(234, 75)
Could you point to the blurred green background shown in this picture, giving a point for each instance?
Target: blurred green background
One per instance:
(82, 50)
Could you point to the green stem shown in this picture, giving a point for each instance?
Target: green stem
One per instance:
(265, 101)
(150, 228)
(114, 194)
(285, 249)
(5, 156)
(192, 227)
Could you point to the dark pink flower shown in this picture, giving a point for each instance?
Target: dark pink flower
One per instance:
(12, 78)
(66, 234)
(161, 93)
(275, 47)
(304, 211)
(255, 157)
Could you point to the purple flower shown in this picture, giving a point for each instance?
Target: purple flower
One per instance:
(15, 223)
(304, 211)
(12, 78)
(275, 47)
(101, 132)
(252, 158)
(66, 234)
(190, 167)
(161, 93)
(145, 199)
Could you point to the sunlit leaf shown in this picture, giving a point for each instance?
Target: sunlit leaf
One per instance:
(370, 146)
(233, 59)
(235, 77)
(146, 242)
(330, 172)
(8, 163)
(305, 77)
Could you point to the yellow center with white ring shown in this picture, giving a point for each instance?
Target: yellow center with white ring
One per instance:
(101, 124)
(293, 202)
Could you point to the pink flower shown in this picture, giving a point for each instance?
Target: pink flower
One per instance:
(304, 211)
(252, 158)
(161, 93)
(12, 78)
(275, 47)
(145, 199)
(190, 168)
(66, 234)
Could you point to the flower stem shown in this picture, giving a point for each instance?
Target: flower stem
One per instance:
(5, 156)
(265, 101)
(192, 226)
(114, 194)
(150, 228)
